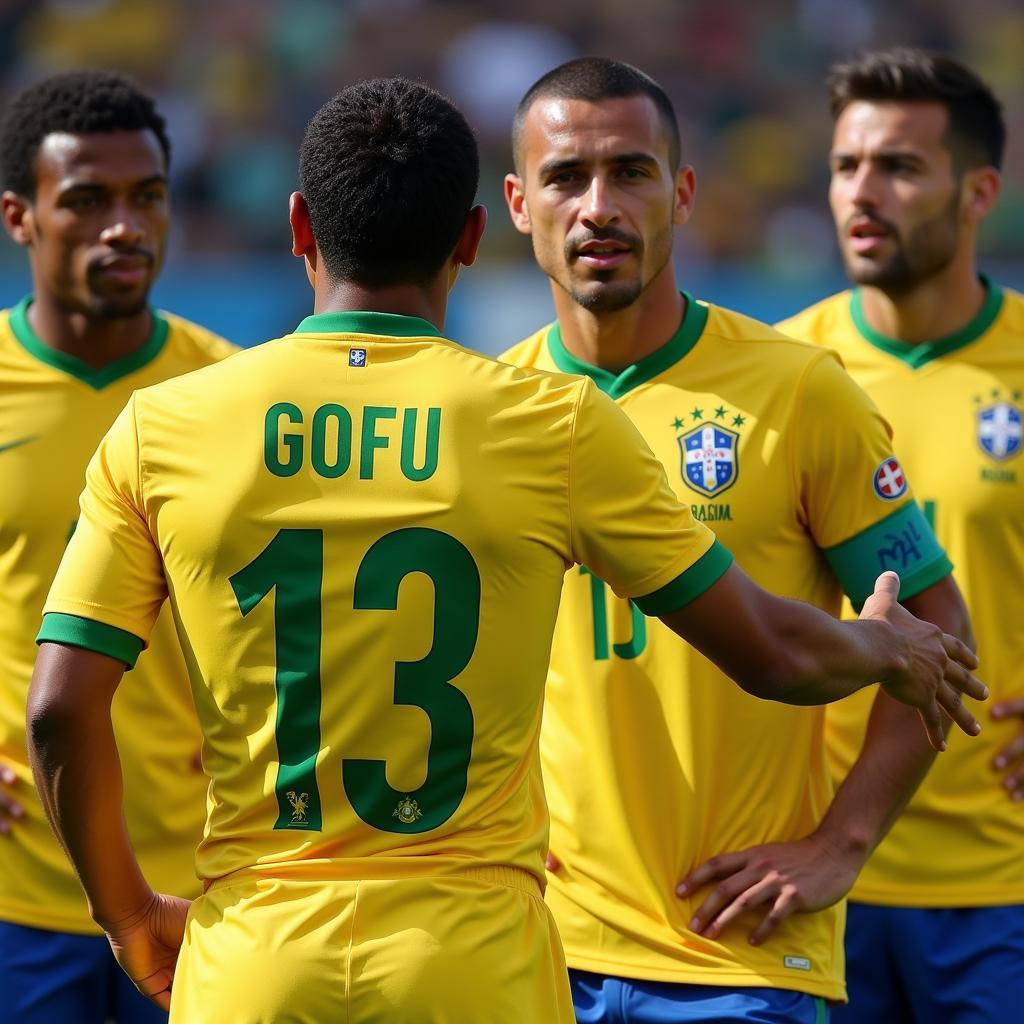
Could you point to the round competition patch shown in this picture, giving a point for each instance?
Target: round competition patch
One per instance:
(890, 482)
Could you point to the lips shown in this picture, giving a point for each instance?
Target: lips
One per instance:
(127, 269)
(602, 253)
(865, 234)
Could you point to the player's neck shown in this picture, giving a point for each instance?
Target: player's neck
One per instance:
(933, 309)
(619, 339)
(96, 342)
(426, 302)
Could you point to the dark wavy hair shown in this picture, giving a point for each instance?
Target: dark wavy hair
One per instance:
(976, 133)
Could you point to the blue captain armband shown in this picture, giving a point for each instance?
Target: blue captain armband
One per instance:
(903, 542)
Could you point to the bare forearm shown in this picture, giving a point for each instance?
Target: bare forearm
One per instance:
(78, 775)
(895, 758)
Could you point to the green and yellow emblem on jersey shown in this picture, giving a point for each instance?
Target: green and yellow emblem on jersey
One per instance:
(407, 811)
(300, 803)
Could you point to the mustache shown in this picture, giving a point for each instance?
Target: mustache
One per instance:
(609, 234)
(134, 254)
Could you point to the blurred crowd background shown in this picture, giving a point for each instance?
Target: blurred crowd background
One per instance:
(239, 79)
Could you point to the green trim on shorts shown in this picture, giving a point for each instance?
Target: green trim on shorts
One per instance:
(75, 631)
(689, 584)
(820, 1010)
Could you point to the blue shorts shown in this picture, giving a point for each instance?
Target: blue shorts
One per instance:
(600, 999)
(56, 978)
(917, 966)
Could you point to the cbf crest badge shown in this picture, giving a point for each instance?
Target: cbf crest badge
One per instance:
(1000, 430)
(709, 456)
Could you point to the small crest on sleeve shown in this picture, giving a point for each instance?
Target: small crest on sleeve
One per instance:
(890, 482)
(357, 357)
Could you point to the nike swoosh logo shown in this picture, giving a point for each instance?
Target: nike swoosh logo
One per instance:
(18, 443)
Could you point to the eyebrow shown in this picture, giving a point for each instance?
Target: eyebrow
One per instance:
(91, 186)
(568, 163)
(882, 154)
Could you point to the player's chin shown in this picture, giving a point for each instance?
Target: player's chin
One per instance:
(119, 305)
(606, 296)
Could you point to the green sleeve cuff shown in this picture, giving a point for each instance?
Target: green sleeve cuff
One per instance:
(688, 585)
(903, 542)
(75, 631)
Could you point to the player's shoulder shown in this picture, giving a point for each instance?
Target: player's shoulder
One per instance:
(1012, 318)
(528, 352)
(820, 321)
(194, 344)
(755, 340)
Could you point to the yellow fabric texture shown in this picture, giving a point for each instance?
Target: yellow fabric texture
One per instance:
(50, 424)
(959, 842)
(456, 949)
(653, 760)
(364, 534)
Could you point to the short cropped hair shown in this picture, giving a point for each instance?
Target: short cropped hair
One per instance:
(594, 79)
(389, 171)
(79, 103)
(976, 132)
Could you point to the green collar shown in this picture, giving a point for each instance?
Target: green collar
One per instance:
(75, 367)
(615, 385)
(390, 325)
(918, 355)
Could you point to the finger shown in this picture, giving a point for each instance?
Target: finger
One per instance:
(953, 704)
(762, 891)
(781, 909)
(1009, 708)
(931, 718)
(162, 998)
(722, 866)
(552, 863)
(720, 897)
(888, 585)
(1013, 751)
(960, 652)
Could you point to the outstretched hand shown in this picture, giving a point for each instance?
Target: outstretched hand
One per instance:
(934, 669)
(147, 946)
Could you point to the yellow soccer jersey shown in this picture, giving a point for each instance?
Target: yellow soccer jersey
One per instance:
(956, 406)
(363, 529)
(54, 410)
(653, 760)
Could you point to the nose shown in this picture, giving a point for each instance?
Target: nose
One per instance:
(863, 190)
(124, 228)
(599, 207)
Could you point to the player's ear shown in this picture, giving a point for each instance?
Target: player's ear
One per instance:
(303, 242)
(466, 247)
(18, 217)
(685, 194)
(980, 190)
(515, 197)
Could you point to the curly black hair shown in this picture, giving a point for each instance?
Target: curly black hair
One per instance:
(77, 102)
(389, 170)
(976, 133)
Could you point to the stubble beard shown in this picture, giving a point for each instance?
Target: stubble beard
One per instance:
(926, 252)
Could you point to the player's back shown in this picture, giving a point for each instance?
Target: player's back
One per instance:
(364, 539)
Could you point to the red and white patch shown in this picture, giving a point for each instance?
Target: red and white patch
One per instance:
(890, 482)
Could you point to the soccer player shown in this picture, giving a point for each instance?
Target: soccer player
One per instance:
(83, 159)
(362, 529)
(653, 764)
(936, 919)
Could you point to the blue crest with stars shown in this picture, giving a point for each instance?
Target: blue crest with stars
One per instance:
(709, 458)
(1000, 430)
